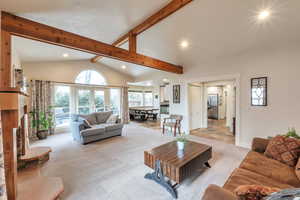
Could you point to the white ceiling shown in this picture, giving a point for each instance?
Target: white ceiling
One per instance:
(214, 28)
(34, 51)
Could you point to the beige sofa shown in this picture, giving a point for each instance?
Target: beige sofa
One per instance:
(256, 169)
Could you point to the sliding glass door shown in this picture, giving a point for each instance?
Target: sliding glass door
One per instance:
(90, 100)
(115, 100)
(84, 101)
(99, 100)
(62, 97)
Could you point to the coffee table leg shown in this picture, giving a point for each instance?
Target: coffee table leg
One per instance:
(207, 165)
(159, 177)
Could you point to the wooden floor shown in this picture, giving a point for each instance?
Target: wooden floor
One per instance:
(216, 130)
(113, 169)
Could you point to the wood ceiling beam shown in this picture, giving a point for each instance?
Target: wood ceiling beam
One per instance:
(36, 31)
(163, 13)
(122, 40)
(132, 42)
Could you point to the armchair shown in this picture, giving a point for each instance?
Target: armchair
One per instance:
(174, 121)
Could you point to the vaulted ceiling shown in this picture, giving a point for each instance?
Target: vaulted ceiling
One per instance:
(213, 28)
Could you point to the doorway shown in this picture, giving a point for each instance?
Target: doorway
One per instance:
(212, 108)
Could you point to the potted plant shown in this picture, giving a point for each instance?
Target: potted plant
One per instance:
(292, 133)
(181, 140)
(43, 121)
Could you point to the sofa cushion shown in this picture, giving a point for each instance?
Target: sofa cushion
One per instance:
(95, 130)
(284, 149)
(297, 169)
(101, 117)
(112, 119)
(259, 144)
(111, 127)
(246, 177)
(271, 168)
(214, 192)
(91, 118)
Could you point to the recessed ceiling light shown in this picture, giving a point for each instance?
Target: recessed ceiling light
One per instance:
(165, 80)
(123, 66)
(184, 44)
(264, 14)
(149, 84)
(65, 55)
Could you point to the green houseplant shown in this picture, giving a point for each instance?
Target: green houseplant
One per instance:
(292, 133)
(181, 140)
(42, 121)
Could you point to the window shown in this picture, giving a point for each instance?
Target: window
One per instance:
(148, 98)
(84, 103)
(140, 98)
(259, 91)
(62, 105)
(90, 77)
(135, 98)
(115, 100)
(99, 101)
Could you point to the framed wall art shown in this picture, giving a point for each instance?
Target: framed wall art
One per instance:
(259, 87)
(176, 93)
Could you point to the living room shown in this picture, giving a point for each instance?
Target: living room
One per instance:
(89, 66)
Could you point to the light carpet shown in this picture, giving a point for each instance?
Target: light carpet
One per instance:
(113, 169)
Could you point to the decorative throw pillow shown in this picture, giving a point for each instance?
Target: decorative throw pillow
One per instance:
(284, 149)
(297, 169)
(112, 119)
(87, 124)
(91, 118)
(254, 192)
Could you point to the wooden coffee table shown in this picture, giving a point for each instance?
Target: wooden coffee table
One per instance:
(169, 164)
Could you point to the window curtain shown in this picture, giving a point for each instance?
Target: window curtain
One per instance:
(124, 105)
(41, 101)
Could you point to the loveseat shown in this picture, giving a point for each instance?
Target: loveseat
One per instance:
(95, 126)
(255, 169)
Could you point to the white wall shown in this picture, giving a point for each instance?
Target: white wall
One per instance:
(67, 71)
(280, 64)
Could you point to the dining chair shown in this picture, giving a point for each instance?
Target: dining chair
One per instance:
(173, 121)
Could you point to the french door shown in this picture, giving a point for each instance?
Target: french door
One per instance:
(90, 100)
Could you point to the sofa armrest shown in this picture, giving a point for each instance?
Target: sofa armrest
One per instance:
(260, 144)
(76, 128)
(214, 192)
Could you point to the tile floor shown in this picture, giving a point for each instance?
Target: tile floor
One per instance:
(113, 169)
(216, 130)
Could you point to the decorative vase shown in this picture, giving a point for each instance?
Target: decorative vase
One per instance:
(42, 134)
(180, 146)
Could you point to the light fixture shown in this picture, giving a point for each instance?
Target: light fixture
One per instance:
(149, 84)
(123, 66)
(65, 55)
(184, 44)
(165, 80)
(264, 14)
